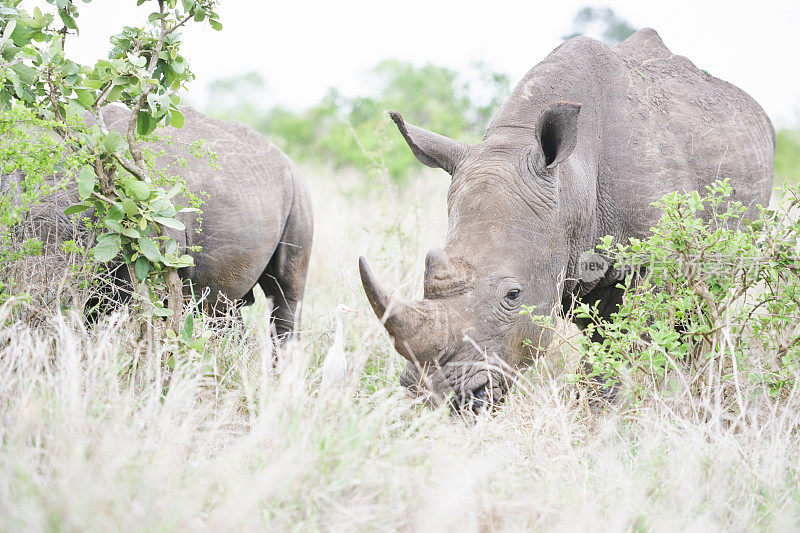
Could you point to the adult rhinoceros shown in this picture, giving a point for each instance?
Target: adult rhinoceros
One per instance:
(256, 225)
(587, 140)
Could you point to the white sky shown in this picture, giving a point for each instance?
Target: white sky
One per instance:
(301, 48)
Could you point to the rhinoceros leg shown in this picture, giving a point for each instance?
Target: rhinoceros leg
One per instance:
(284, 280)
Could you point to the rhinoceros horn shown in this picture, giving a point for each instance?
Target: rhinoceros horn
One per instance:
(418, 330)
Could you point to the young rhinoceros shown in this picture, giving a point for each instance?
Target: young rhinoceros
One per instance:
(256, 225)
(257, 219)
(587, 140)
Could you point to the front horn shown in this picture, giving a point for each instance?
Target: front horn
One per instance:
(405, 321)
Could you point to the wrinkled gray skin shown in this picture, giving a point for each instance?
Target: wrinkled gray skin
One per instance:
(257, 222)
(587, 140)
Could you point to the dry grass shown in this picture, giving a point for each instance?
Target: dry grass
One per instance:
(96, 433)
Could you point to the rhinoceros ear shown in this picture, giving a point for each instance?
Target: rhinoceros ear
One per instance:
(557, 131)
(430, 148)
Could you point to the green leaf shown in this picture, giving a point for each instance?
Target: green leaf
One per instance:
(145, 124)
(16, 83)
(187, 331)
(115, 212)
(141, 267)
(180, 262)
(159, 104)
(215, 24)
(198, 344)
(27, 75)
(67, 19)
(131, 233)
(114, 225)
(162, 204)
(112, 142)
(5, 100)
(177, 120)
(163, 312)
(86, 182)
(173, 223)
(85, 97)
(186, 259)
(115, 94)
(77, 208)
(174, 191)
(92, 84)
(139, 189)
(107, 249)
(171, 246)
(168, 212)
(149, 249)
(200, 14)
(130, 208)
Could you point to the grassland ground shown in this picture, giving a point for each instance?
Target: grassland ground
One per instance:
(97, 432)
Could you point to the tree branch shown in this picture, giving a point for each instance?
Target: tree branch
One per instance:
(101, 98)
(136, 152)
(790, 341)
(179, 24)
(130, 166)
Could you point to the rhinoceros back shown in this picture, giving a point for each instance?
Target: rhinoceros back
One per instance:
(680, 128)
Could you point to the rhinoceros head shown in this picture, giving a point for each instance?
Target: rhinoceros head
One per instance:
(505, 248)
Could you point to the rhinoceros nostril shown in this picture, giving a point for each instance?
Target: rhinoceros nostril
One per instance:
(482, 399)
(479, 399)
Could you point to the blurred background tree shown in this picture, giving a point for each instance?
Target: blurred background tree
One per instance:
(787, 155)
(343, 131)
(601, 23)
(237, 98)
(354, 131)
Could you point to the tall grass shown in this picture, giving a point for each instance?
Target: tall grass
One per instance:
(97, 433)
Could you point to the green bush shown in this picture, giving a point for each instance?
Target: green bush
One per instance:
(115, 180)
(712, 300)
(35, 164)
(29, 150)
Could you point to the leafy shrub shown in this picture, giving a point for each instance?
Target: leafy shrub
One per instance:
(34, 165)
(115, 178)
(712, 300)
(29, 151)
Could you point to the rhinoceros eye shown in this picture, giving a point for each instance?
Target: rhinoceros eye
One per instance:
(512, 294)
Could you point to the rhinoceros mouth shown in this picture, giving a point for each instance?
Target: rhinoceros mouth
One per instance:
(483, 390)
(485, 397)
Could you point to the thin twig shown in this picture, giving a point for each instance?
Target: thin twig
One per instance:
(136, 151)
